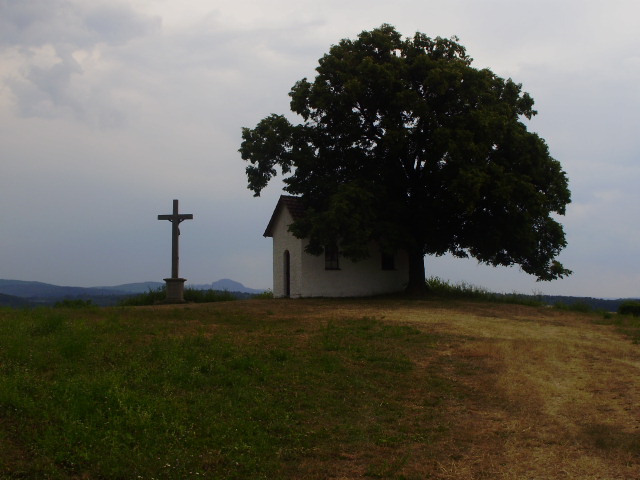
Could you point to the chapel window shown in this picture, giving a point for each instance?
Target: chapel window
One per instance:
(387, 261)
(331, 258)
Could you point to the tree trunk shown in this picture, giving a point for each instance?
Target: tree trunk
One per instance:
(417, 285)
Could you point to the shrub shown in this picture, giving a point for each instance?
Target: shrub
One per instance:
(442, 288)
(630, 307)
(437, 286)
(267, 294)
(150, 297)
(193, 295)
(76, 303)
(579, 306)
(205, 296)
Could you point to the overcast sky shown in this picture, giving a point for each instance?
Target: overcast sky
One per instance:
(111, 109)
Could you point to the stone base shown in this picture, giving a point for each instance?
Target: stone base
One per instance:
(175, 290)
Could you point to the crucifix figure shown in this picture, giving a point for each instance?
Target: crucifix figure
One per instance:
(175, 284)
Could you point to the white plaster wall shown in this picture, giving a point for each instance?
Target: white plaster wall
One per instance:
(308, 277)
(284, 240)
(353, 279)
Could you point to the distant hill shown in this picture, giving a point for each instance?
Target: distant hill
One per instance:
(25, 293)
(226, 284)
(13, 301)
(140, 287)
(24, 289)
(608, 305)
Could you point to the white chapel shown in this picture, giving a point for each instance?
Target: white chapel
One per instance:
(298, 274)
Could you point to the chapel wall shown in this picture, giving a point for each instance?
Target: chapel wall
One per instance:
(353, 279)
(283, 240)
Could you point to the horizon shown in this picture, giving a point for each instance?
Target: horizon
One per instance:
(130, 283)
(190, 284)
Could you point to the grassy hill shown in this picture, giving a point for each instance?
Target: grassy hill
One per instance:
(316, 389)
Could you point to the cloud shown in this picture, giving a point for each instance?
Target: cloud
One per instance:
(56, 52)
(77, 23)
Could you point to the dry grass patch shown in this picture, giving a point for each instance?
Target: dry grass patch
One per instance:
(556, 397)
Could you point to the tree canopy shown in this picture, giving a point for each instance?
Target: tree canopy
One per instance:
(403, 142)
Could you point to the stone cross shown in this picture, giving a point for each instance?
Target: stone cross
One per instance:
(175, 284)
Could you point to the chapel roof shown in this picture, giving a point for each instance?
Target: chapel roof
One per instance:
(293, 204)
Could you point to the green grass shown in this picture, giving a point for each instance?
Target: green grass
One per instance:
(191, 295)
(175, 392)
(78, 303)
(465, 291)
(626, 324)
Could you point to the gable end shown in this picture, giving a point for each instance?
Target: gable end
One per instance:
(293, 204)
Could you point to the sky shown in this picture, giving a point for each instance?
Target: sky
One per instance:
(111, 109)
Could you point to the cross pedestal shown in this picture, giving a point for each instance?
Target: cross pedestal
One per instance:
(175, 284)
(175, 290)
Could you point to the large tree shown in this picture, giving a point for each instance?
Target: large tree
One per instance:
(405, 143)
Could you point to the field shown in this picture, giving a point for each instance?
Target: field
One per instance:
(318, 389)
